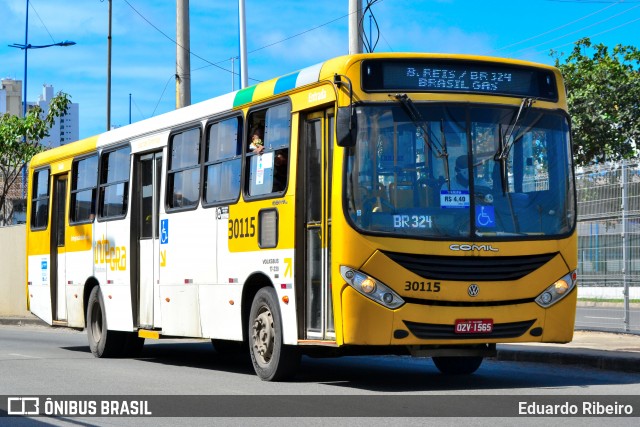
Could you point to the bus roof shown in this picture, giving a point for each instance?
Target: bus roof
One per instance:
(265, 90)
(68, 150)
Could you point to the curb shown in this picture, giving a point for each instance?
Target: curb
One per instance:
(599, 359)
(22, 321)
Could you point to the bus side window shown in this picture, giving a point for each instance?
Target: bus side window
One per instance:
(223, 162)
(40, 199)
(114, 183)
(183, 179)
(268, 168)
(84, 181)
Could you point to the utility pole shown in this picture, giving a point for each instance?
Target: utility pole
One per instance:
(233, 74)
(355, 18)
(109, 72)
(244, 76)
(183, 51)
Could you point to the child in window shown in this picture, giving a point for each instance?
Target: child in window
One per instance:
(257, 144)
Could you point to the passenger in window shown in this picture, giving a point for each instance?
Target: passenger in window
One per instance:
(178, 199)
(92, 207)
(257, 143)
(461, 178)
(280, 170)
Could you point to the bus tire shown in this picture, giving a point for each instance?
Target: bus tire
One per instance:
(271, 359)
(465, 365)
(102, 342)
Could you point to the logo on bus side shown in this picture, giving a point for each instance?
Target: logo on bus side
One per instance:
(317, 96)
(107, 253)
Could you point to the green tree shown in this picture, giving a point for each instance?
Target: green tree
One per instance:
(603, 93)
(19, 141)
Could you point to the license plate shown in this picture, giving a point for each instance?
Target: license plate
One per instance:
(474, 326)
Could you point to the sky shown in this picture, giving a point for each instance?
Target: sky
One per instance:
(282, 36)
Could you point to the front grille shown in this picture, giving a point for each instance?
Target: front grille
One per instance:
(439, 331)
(470, 268)
(443, 303)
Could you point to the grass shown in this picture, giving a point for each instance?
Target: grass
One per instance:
(616, 300)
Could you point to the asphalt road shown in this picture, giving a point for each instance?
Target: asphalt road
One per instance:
(608, 317)
(36, 360)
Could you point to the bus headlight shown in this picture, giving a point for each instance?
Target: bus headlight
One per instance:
(371, 288)
(557, 291)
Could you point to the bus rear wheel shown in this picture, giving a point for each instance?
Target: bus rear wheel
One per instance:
(102, 342)
(465, 365)
(271, 358)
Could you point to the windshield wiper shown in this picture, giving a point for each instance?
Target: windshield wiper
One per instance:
(506, 142)
(415, 116)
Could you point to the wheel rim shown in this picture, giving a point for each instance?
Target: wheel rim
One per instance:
(96, 322)
(263, 336)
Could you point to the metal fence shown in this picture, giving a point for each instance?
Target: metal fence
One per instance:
(609, 247)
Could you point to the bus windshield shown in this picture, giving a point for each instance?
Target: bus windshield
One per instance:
(460, 171)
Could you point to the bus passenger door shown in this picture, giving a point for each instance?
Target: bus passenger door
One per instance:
(58, 252)
(314, 179)
(148, 173)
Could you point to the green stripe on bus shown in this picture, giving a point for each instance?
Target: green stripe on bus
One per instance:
(244, 96)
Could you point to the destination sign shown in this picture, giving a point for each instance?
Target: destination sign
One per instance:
(427, 75)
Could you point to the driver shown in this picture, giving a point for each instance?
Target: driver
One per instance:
(461, 179)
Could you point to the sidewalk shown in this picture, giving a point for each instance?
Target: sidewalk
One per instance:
(27, 319)
(602, 350)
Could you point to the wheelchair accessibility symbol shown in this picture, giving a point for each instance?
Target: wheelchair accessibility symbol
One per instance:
(164, 231)
(486, 217)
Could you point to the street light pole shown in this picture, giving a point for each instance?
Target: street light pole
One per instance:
(109, 72)
(26, 43)
(26, 46)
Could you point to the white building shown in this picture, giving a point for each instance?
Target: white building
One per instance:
(11, 97)
(65, 129)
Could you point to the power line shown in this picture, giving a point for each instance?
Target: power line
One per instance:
(557, 28)
(299, 34)
(369, 44)
(216, 64)
(138, 108)
(594, 1)
(173, 76)
(581, 29)
(172, 40)
(252, 51)
(40, 19)
(593, 35)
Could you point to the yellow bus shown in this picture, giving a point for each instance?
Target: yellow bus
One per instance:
(419, 204)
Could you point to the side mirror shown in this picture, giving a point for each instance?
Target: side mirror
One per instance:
(346, 127)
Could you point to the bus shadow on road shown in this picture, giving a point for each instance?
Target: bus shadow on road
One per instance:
(406, 374)
(387, 373)
(189, 353)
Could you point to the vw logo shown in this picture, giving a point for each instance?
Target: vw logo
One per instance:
(473, 290)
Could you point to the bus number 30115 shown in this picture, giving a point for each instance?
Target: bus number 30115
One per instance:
(422, 286)
(242, 227)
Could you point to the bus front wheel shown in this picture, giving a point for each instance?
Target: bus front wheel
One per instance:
(102, 342)
(271, 358)
(465, 365)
